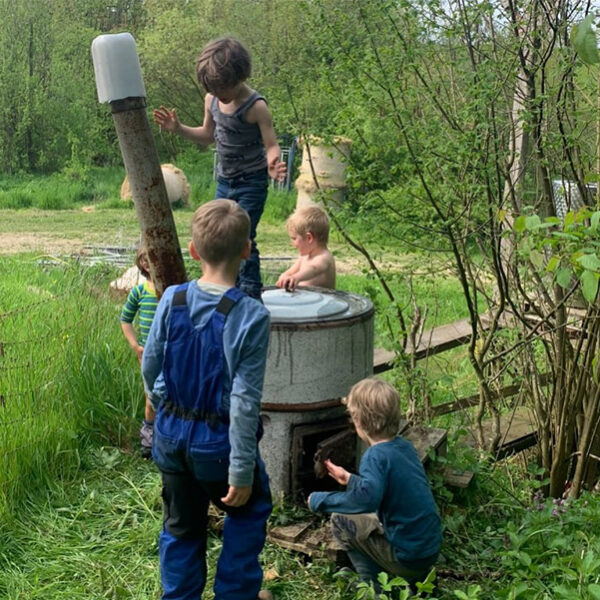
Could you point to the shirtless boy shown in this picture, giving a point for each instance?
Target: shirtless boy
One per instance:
(308, 228)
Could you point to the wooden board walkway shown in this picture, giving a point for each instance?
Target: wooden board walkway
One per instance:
(518, 429)
(433, 341)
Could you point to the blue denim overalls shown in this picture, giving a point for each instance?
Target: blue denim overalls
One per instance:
(191, 449)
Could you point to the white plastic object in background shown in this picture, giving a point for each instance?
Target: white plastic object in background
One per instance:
(117, 67)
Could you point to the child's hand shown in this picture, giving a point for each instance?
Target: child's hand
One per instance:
(237, 496)
(287, 282)
(338, 473)
(139, 352)
(166, 119)
(277, 170)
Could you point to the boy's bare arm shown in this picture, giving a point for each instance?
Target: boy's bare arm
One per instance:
(169, 121)
(291, 271)
(259, 113)
(131, 337)
(307, 271)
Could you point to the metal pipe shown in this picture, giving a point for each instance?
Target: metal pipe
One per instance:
(140, 157)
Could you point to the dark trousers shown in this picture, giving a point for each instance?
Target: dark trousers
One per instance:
(250, 192)
(182, 543)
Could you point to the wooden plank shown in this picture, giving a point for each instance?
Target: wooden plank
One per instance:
(433, 341)
(426, 438)
(314, 541)
(518, 430)
(469, 401)
(291, 533)
(457, 478)
(383, 360)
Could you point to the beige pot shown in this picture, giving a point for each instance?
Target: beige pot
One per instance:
(176, 184)
(328, 166)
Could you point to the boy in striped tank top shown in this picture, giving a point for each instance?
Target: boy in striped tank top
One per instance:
(238, 120)
(142, 301)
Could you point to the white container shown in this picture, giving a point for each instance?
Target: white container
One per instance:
(117, 67)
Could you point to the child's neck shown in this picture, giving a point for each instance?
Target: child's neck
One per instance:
(225, 275)
(315, 250)
(372, 442)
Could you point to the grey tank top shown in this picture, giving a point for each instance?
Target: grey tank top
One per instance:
(239, 144)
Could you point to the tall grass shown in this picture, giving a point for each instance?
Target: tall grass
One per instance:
(65, 374)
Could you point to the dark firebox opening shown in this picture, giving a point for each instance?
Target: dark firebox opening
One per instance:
(314, 443)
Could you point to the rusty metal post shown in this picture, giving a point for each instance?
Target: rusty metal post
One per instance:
(149, 193)
(119, 81)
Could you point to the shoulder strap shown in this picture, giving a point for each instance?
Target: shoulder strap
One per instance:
(254, 96)
(179, 297)
(228, 300)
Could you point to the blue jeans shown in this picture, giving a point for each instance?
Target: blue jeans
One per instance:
(250, 192)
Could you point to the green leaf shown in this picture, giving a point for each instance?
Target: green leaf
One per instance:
(552, 264)
(595, 220)
(532, 223)
(537, 258)
(594, 591)
(584, 41)
(589, 283)
(589, 262)
(519, 224)
(563, 277)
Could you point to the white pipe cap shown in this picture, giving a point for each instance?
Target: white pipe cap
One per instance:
(117, 67)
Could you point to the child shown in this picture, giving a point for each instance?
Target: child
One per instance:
(386, 520)
(204, 364)
(308, 229)
(237, 118)
(142, 301)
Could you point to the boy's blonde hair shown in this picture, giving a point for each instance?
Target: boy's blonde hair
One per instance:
(310, 218)
(141, 260)
(374, 406)
(222, 64)
(220, 231)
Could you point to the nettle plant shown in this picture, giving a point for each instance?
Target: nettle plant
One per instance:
(559, 318)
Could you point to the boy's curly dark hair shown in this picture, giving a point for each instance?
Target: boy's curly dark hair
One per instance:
(222, 64)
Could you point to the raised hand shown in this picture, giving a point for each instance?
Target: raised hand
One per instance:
(166, 119)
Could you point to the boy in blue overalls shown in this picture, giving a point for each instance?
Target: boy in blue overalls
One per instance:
(238, 120)
(204, 364)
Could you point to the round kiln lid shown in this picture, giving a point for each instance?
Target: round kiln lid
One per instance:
(311, 305)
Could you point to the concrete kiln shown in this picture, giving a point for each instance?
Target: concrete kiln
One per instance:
(321, 344)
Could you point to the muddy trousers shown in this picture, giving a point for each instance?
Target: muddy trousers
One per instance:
(182, 543)
(363, 539)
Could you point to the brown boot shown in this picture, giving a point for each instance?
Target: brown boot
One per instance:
(264, 595)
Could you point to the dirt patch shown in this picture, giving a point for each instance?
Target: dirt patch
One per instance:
(14, 243)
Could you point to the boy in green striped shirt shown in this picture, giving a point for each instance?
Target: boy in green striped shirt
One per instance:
(142, 301)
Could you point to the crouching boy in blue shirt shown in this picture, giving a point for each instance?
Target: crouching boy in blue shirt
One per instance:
(204, 362)
(386, 520)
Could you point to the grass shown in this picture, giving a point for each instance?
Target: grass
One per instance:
(80, 513)
(65, 374)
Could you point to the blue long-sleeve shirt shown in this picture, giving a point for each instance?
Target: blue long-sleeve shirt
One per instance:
(245, 343)
(392, 483)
